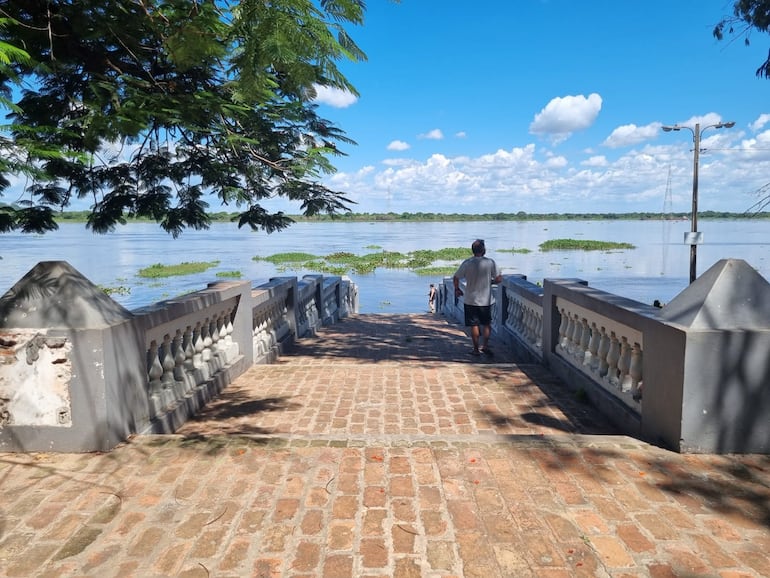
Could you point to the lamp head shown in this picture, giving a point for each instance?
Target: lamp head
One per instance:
(670, 128)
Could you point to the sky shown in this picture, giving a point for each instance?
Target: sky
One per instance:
(550, 106)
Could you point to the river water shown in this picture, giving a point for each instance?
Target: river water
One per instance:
(658, 268)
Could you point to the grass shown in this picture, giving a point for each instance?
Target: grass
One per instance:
(582, 245)
(159, 270)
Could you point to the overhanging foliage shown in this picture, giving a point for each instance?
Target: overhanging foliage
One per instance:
(147, 108)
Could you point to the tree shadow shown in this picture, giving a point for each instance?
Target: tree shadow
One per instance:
(544, 401)
(235, 413)
(375, 338)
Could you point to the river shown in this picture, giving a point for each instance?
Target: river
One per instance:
(658, 268)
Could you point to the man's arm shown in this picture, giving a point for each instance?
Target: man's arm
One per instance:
(499, 275)
(456, 281)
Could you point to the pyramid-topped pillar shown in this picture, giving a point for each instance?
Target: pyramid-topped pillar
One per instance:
(71, 367)
(716, 397)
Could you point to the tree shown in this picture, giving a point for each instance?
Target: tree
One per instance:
(149, 107)
(748, 15)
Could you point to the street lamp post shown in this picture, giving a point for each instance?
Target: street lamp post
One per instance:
(693, 238)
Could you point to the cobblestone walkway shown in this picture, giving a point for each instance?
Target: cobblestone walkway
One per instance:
(382, 448)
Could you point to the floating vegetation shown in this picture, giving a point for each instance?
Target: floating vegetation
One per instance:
(279, 258)
(522, 251)
(582, 245)
(159, 270)
(341, 257)
(232, 274)
(120, 290)
(422, 261)
(436, 271)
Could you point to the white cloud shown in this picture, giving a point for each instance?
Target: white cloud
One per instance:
(630, 134)
(533, 179)
(398, 145)
(595, 161)
(704, 120)
(434, 134)
(565, 115)
(397, 162)
(460, 134)
(334, 97)
(557, 162)
(760, 123)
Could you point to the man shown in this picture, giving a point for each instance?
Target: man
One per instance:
(432, 298)
(479, 273)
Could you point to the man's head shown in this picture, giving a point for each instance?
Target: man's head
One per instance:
(478, 248)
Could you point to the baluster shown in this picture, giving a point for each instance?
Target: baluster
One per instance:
(570, 333)
(228, 328)
(604, 349)
(613, 355)
(177, 346)
(592, 360)
(214, 334)
(167, 361)
(267, 338)
(585, 340)
(198, 346)
(154, 369)
(635, 371)
(577, 331)
(624, 364)
(539, 330)
(206, 336)
(259, 335)
(510, 320)
(233, 348)
(189, 350)
(523, 322)
(562, 330)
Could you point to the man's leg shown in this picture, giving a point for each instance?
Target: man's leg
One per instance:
(475, 337)
(487, 333)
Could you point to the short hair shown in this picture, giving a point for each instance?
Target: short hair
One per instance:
(478, 247)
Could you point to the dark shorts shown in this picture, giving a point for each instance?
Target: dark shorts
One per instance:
(478, 315)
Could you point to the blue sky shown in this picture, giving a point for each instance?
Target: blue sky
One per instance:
(550, 106)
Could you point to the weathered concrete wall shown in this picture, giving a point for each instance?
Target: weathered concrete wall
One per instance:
(78, 372)
(696, 377)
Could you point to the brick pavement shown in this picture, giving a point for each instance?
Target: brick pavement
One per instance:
(381, 448)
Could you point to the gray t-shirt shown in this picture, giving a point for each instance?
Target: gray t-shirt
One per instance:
(479, 273)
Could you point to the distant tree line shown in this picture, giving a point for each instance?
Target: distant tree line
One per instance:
(223, 216)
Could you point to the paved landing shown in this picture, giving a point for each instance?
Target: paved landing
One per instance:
(383, 448)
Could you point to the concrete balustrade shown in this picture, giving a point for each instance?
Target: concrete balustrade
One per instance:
(78, 372)
(693, 376)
